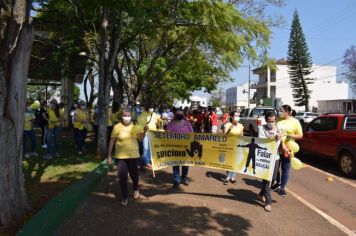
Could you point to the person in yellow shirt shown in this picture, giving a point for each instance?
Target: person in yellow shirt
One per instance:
(291, 130)
(80, 132)
(233, 128)
(151, 119)
(125, 136)
(29, 133)
(54, 129)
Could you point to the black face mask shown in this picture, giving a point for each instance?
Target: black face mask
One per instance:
(179, 117)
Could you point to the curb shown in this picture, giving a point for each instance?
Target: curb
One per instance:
(52, 215)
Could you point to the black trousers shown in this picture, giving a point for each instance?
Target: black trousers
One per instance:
(124, 167)
(266, 189)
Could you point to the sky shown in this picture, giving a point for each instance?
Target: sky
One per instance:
(329, 27)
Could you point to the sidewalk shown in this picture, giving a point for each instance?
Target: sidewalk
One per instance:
(205, 207)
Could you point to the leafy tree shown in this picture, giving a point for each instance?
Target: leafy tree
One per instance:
(76, 93)
(16, 38)
(299, 64)
(350, 63)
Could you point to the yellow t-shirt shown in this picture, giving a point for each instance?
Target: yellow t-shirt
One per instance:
(290, 126)
(145, 117)
(80, 117)
(53, 120)
(126, 145)
(28, 121)
(237, 130)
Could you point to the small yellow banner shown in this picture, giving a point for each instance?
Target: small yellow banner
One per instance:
(245, 155)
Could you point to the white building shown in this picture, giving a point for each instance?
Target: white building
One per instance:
(238, 96)
(275, 84)
(193, 101)
(337, 106)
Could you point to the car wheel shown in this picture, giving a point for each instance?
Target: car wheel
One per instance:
(347, 164)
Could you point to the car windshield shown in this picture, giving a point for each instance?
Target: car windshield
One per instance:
(311, 114)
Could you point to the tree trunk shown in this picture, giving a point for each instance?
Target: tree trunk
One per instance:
(13, 82)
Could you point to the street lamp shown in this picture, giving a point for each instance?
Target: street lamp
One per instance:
(249, 84)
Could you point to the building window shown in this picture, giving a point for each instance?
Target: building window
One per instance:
(273, 76)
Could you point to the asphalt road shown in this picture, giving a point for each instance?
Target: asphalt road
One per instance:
(322, 184)
(207, 207)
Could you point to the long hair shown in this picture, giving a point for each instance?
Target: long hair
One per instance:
(56, 110)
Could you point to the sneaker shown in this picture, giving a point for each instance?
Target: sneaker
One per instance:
(275, 186)
(80, 153)
(282, 192)
(34, 154)
(226, 181)
(185, 181)
(268, 207)
(44, 146)
(136, 195)
(27, 155)
(124, 202)
(48, 157)
(233, 181)
(245, 170)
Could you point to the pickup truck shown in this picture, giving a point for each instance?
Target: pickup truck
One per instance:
(333, 136)
(252, 118)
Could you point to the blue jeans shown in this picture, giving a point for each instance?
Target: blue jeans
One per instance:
(53, 134)
(176, 173)
(285, 167)
(146, 156)
(31, 135)
(81, 135)
(230, 175)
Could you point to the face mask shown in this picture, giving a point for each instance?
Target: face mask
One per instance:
(150, 110)
(270, 125)
(126, 119)
(236, 118)
(142, 109)
(281, 114)
(179, 117)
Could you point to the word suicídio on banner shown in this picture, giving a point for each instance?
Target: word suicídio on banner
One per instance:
(246, 155)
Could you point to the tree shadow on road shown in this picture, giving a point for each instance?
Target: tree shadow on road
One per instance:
(103, 215)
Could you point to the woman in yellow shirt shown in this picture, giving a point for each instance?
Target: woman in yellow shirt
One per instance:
(125, 135)
(291, 130)
(80, 132)
(54, 130)
(233, 128)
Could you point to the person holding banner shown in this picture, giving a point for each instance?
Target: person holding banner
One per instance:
(233, 128)
(291, 130)
(180, 125)
(125, 135)
(151, 119)
(270, 131)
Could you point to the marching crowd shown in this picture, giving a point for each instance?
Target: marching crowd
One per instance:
(129, 147)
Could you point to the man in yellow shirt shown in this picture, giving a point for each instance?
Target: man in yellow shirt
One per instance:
(29, 133)
(151, 119)
(80, 132)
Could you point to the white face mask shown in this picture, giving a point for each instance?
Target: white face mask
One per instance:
(270, 125)
(281, 114)
(126, 119)
(150, 110)
(236, 118)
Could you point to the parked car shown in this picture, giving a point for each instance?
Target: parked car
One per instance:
(251, 118)
(305, 117)
(334, 136)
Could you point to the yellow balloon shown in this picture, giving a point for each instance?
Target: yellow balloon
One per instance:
(293, 146)
(296, 163)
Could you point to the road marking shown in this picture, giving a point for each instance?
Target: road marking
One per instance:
(323, 214)
(334, 176)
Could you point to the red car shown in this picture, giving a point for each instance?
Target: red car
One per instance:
(333, 135)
